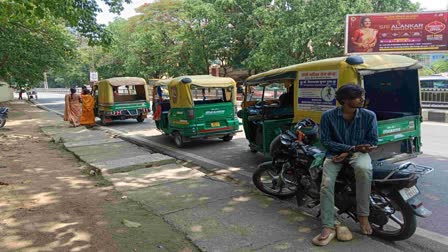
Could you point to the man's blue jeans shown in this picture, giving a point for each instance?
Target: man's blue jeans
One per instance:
(362, 164)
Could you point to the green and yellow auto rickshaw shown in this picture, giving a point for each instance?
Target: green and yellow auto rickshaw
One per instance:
(197, 106)
(121, 98)
(307, 90)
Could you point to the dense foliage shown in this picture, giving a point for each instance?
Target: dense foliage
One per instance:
(38, 35)
(173, 37)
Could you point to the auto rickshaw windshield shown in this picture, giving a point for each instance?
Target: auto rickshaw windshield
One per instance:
(203, 95)
(265, 92)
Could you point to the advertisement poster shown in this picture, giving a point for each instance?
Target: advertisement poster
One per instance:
(317, 90)
(396, 33)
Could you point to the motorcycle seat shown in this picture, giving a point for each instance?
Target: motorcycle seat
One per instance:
(382, 170)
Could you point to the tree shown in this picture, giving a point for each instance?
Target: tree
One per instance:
(29, 50)
(35, 39)
(78, 14)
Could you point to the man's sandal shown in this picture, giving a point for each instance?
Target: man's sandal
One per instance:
(318, 242)
(343, 233)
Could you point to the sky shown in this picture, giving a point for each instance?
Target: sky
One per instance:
(105, 17)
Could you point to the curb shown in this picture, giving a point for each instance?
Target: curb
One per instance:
(435, 115)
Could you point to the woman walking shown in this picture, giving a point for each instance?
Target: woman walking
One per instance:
(88, 102)
(72, 110)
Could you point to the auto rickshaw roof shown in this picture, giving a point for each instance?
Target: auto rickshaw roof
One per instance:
(200, 81)
(125, 81)
(371, 63)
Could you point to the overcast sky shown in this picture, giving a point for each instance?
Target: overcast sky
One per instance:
(105, 17)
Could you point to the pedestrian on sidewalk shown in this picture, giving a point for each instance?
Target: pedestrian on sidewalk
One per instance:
(21, 94)
(87, 114)
(72, 111)
(349, 132)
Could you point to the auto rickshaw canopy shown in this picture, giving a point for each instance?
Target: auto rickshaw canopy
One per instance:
(179, 88)
(343, 70)
(364, 65)
(105, 88)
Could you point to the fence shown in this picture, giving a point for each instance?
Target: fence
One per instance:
(434, 98)
(56, 90)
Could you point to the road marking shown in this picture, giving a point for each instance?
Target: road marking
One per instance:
(436, 237)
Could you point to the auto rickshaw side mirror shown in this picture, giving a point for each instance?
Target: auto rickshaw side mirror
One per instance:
(186, 80)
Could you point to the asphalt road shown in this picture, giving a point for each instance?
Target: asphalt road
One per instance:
(236, 154)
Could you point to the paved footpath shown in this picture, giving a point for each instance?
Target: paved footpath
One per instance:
(216, 213)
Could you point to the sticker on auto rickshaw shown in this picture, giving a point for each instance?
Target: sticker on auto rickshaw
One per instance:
(317, 90)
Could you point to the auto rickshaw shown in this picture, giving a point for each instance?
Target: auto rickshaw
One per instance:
(121, 98)
(392, 92)
(197, 106)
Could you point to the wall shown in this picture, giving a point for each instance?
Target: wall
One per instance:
(6, 93)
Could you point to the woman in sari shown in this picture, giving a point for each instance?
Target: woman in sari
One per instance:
(364, 38)
(88, 102)
(72, 110)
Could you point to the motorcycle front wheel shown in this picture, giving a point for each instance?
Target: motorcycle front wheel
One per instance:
(398, 221)
(268, 180)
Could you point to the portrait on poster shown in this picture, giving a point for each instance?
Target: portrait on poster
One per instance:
(396, 32)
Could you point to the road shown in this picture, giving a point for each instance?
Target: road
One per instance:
(236, 154)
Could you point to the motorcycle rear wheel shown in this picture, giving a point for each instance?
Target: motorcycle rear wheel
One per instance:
(401, 224)
(2, 122)
(266, 179)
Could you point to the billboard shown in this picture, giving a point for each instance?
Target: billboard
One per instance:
(396, 32)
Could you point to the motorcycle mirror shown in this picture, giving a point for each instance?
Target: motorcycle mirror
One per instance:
(285, 142)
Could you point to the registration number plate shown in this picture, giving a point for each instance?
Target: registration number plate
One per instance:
(215, 124)
(407, 193)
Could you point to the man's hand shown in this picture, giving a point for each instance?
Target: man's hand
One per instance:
(364, 148)
(341, 157)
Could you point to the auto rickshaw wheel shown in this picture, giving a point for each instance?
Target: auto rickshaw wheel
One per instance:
(140, 118)
(253, 149)
(227, 138)
(178, 140)
(103, 120)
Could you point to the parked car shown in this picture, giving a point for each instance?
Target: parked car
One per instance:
(434, 81)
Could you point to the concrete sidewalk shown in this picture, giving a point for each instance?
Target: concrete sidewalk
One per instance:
(214, 213)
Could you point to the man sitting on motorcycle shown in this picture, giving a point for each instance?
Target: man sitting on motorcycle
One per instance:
(349, 133)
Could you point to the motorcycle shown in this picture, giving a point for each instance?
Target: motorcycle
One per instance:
(3, 116)
(296, 170)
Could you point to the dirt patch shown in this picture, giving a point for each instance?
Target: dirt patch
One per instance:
(48, 202)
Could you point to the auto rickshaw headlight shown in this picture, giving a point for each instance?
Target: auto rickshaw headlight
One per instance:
(354, 60)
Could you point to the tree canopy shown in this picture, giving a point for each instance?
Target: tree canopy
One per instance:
(39, 35)
(173, 37)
